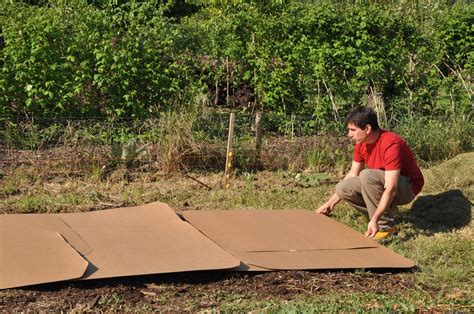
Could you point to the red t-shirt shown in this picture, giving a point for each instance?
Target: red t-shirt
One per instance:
(390, 152)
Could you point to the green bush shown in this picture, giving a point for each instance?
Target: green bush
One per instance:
(320, 58)
(306, 58)
(77, 60)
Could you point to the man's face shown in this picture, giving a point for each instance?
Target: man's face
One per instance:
(357, 134)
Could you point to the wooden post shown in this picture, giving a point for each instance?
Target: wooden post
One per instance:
(229, 155)
(258, 139)
(216, 100)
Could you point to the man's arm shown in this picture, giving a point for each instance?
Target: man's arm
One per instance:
(391, 186)
(356, 168)
(327, 207)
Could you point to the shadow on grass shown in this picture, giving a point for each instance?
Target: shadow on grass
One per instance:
(442, 212)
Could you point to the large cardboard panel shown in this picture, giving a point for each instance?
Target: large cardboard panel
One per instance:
(33, 256)
(146, 239)
(152, 239)
(292, 239)
(275, 230)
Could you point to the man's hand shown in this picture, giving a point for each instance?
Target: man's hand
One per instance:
(372, 229)
(326, 208)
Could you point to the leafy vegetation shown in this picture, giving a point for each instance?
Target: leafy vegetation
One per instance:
(120, 59)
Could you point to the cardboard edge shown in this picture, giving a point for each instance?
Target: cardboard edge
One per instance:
(271, 260)
(81, 246)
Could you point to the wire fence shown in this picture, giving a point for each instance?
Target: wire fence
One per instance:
(174, 143)
(276, 154)
(214, 124)
(78, 143)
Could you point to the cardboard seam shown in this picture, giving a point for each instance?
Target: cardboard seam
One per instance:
(83, 254)
(79, 253)
(309, 250)
(212, 240)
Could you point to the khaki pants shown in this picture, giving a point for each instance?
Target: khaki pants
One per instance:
(365, 191)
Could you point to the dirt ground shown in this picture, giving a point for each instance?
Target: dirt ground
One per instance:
(194, 291)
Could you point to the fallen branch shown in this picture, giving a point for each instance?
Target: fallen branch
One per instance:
(194, 179)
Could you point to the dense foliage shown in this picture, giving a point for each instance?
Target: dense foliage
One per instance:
(313, 58)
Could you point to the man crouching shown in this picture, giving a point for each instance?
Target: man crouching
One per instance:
(392, 176)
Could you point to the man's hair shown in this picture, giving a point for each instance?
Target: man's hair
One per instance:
(361, 116)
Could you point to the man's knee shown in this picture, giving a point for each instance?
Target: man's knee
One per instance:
(372, 177)
(344, 188)
(340, 189)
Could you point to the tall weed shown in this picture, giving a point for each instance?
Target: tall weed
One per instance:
(434, 139)
(175, 138)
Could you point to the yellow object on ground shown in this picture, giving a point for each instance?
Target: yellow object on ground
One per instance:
(384, 234)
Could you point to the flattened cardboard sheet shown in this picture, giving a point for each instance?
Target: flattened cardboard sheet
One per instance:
(152, 239)
(275, 230)
(148, 239)
(292, 239)
(33, 256)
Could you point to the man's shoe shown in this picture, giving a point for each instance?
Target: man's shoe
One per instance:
(385, 233)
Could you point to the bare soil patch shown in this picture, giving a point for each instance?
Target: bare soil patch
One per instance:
(195, 291)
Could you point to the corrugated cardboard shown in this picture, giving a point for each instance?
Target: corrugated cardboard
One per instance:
(152, 239)
(275, 230)
(292, 239)
(33, 256)
(148, 239)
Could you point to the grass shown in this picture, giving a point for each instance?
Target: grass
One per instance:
(193, 140)
(445, 261)
(351, 302)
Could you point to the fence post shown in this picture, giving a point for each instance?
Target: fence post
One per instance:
(227, 79)
(229, 155)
